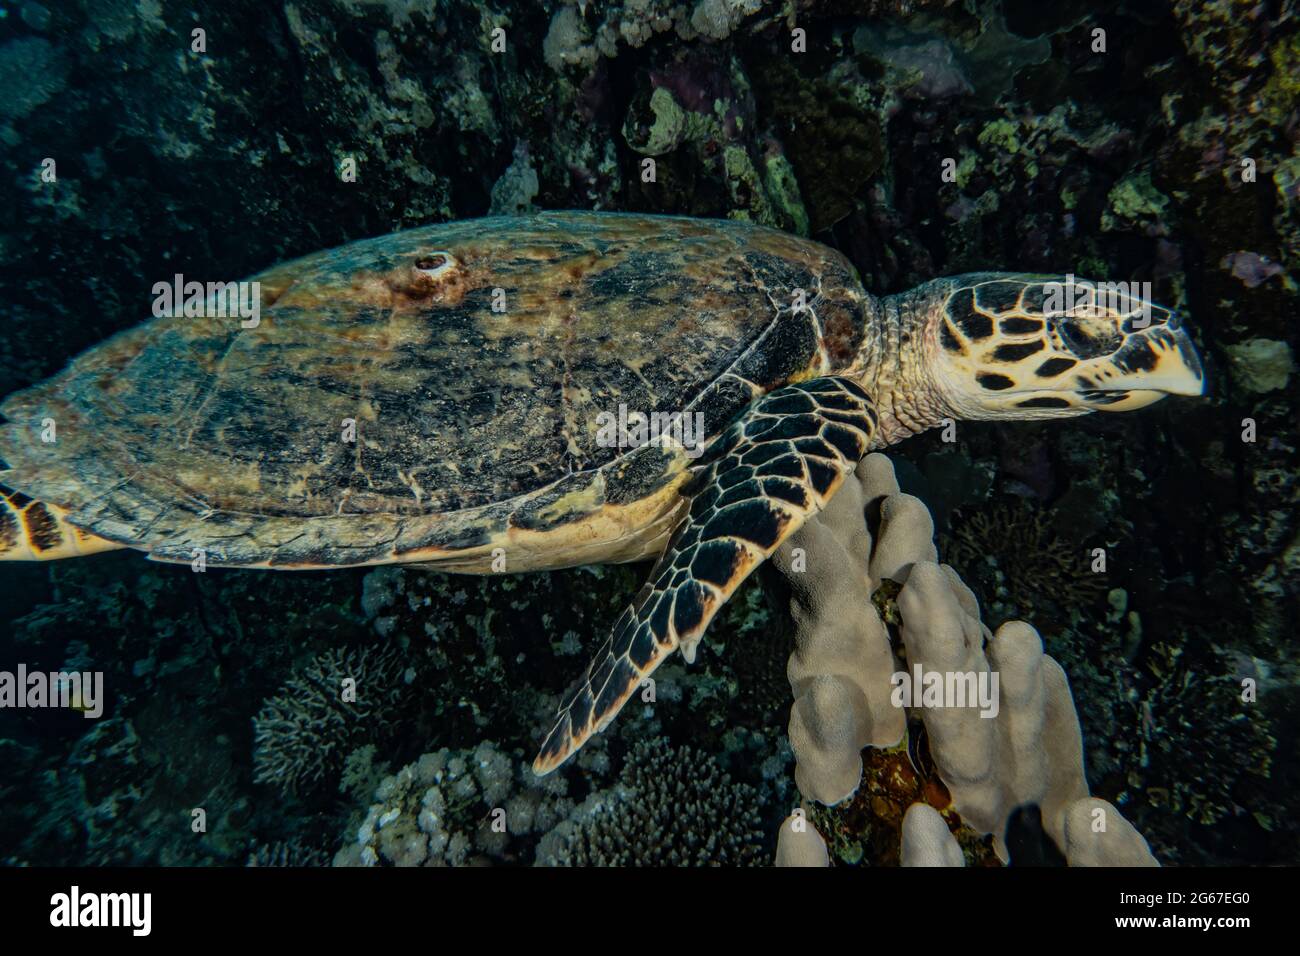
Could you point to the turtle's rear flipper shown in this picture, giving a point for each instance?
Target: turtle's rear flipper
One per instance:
(775, 466)
(34, 531)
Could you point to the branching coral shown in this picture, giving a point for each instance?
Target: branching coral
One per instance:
(1169, 735)
(672, 806)
(1234, 739)
(339, 701)
(287, 854)
(1025, 560)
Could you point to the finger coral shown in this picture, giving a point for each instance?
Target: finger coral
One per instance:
(927, 841)
(799, 844)
(876, 615)
(839, 650)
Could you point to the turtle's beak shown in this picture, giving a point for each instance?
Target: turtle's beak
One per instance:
(1178, 371)
(1169, 366)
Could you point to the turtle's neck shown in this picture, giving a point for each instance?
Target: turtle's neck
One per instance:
(899, 341)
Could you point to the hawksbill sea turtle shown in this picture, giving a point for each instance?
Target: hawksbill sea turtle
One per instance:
(477, 430)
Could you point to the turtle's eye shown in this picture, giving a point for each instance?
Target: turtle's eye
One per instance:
(1073, 336)
(1088, 339)
(428, 276)
(433, 264)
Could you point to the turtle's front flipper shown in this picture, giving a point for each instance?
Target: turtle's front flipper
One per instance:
(775, 466)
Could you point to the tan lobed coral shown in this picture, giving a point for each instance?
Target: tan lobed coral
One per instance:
(868, 563)
(842, 648)
(799, 844)
(927, 841)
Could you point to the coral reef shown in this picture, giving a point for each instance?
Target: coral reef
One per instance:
(668, 806)
(32, 70)
(1167, 733)
(181, 658)
(1129, 164)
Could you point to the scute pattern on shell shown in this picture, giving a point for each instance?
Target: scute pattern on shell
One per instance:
(195, 432)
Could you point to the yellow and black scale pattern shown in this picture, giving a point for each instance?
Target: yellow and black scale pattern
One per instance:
(1032, 342)
(773, 468)
(36, 531)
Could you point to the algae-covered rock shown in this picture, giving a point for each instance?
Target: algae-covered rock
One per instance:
(1134, 201)
(661, 131)
(1261, 365)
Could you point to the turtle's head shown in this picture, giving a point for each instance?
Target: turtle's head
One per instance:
(1016, 346)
